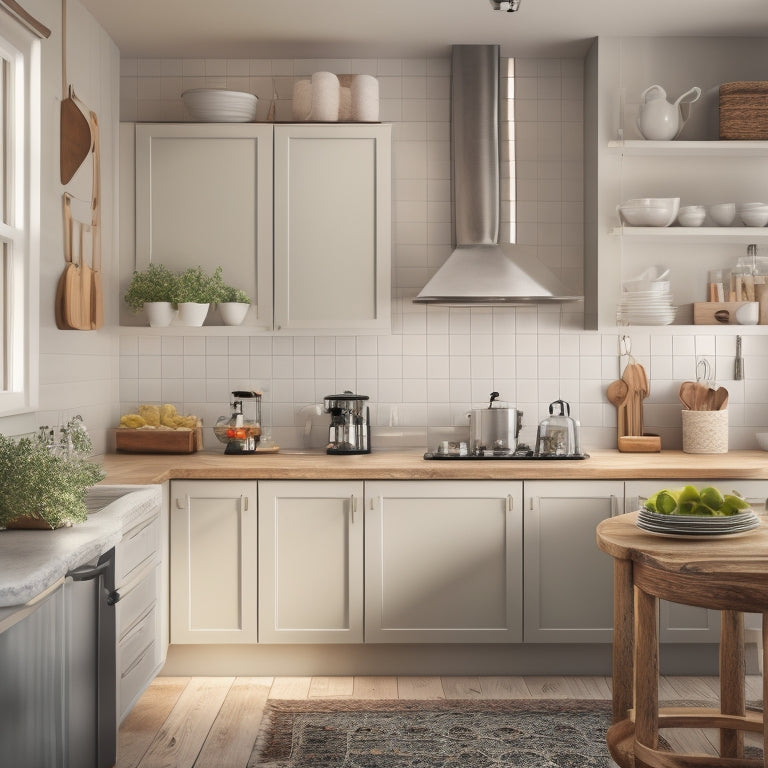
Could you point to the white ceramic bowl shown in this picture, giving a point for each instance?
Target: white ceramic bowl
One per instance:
(691, 216)
(650, 211)
(762, 440)
(723, 214)
(217, 105)
(750, 206)
(754, 217)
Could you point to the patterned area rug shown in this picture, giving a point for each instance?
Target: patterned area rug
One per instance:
(561, 733)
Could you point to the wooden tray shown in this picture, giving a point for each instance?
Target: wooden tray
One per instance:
(159, 440)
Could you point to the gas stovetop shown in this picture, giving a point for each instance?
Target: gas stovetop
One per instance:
(458, 451)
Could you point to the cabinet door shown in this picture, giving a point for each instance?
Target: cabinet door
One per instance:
(332, 228)
(443, 562)
(213, 561)
(204, 197)
(568, 580)
(311, 562)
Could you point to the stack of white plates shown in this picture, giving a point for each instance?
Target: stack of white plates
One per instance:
(646, 303)
(697, 525)
(216, 105)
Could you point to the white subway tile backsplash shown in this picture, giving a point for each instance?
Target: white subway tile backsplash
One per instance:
(438, 361)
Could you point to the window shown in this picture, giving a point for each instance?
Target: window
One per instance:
(19, 215)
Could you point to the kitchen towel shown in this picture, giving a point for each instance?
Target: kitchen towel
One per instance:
(365, 99)
(325, 97)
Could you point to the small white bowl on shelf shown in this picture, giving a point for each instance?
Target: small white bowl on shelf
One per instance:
(218, 105)
(691, 215)
(723, 214)
(753, 214)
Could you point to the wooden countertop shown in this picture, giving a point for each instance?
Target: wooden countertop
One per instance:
(127, 468)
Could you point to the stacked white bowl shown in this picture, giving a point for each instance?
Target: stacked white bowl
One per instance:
(649, 211)
(753, 214)
(217, 105)
(646, 299)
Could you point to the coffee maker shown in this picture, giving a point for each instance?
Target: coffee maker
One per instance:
(350, 423)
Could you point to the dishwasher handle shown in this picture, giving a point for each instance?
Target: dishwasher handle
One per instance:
(104, 567)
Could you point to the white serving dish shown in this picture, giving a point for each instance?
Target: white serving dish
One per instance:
(649, 211)
(217, 105)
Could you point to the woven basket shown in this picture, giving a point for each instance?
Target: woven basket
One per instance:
(744, 110)
(705, 431)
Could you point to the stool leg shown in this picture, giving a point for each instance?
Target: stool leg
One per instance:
(646, 669)
(765, 689)
(623, 639)
(732, 672)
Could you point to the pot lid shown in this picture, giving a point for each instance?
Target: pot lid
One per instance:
(346, 396)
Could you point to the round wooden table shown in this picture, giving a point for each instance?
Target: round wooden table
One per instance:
(729, 574)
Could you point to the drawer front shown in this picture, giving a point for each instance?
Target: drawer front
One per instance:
(135, 678)
(140, 637)
(138, 546)
(136, 600)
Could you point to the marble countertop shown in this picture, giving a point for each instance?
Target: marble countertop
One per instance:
(33, 561)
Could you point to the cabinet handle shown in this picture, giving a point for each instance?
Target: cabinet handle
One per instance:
(244, 503)
(353, 506)
(510, 503)
(614, 506)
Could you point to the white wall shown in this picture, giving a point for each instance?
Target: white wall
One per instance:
(78, 370)
(438, 361)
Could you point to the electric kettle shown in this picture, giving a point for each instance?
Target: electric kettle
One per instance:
(558, 435)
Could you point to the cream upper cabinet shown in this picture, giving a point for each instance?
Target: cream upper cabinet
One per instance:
(443, 562)
(568, 580)
(332, 228)
(214, 550)
(311, 561)
(298, 216)
(204, 197)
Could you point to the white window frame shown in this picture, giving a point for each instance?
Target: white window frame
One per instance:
(20, 228)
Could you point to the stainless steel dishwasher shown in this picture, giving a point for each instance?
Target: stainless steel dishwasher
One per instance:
(57, 665)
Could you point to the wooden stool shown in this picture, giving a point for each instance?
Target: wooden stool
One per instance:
(728, 574)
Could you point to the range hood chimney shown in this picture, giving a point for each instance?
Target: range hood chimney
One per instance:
(481, 270)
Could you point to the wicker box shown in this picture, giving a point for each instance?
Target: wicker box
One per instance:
(705, 431)
(744, 110)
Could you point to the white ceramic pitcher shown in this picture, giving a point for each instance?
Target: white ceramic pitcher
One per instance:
(661, 120)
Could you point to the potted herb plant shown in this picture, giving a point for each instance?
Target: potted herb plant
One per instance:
(233, 305)
(154, 290)
(45, 483)
(196, 290)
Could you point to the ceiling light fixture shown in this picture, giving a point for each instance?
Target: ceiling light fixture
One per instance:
(510, 6)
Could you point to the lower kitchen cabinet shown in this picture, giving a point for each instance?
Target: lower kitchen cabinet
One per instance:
(311, 561)
(443, 562)
(214, 549)
(141, 642)
(568, 581)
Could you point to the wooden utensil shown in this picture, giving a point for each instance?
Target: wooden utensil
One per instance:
(617, 395)
(75, 135)
(718, 399)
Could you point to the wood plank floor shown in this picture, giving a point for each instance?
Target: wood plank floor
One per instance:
(212, 722)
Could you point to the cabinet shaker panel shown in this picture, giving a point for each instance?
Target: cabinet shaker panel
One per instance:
(332, 232)
(204, 197)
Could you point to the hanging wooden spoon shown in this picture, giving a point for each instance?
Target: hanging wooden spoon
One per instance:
(617, 393)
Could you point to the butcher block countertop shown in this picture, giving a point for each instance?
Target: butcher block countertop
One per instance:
(410, 465)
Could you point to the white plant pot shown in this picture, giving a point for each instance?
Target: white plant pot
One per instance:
(192, 313)
(233, 312)
(159, 313)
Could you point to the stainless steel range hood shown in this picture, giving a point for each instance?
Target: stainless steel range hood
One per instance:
(481, 270)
